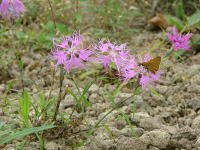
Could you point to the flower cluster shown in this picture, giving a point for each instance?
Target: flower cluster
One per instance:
(11, 9)
(178, 41)
(69, 53)
(108, 53)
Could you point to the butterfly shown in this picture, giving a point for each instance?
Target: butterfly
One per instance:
(152, 65)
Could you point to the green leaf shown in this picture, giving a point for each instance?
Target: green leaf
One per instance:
(4, 132)
(24, 108)
(118, 89)
(111, 97)
(180, 10)
(176, 54)
(106, 127)
(87, 73)
(62, 28)
(137, 13)
(24, 133)
(181, 51)
(78, 17)
(138, 91)
(73, 95)
(194, 19)
(22, 145)
(154, 91)
(175, 21)
(49, 26)
(2, 32)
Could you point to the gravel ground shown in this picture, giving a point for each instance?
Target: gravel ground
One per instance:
(168, 121)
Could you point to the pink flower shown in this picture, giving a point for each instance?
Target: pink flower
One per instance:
(178, 41)
(11, 9)
(108, 53)
(146, 77)
(68, 52)
(131, 69)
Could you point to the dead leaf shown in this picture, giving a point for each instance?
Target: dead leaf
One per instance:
(160, 21)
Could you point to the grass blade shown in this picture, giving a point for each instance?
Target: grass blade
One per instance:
(24, 133)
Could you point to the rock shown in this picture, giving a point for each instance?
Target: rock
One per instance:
(101, 140)
(141, 104)
(83, 148)
(94, 88)
(194, 88)
(110, 88)
(194, 104)
(153, 148)
(127, 131)
(162, 89)
(186, 132)
(136, 117)
(101, 109)
(53, 146)
(31, 148)
(196, 123)
(195, 79)
(36, 145)
(157, 100)
(130, 143)
(2, 88)
(158, 138)
(120, 124)
(123, 96)
(68, 83)
(170, 129)
(9, 148)
(67, 102)
(192, 70)
(151, 123)
(185, 143)
(197, 144)
(101, 91)
(143, 120)
(109, 118)
(94, 98)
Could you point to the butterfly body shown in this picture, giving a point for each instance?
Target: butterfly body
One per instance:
(152, 65)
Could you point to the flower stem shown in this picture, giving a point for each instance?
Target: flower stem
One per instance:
(52, 15)
(118, 105)
(60, 93)
(169, 53)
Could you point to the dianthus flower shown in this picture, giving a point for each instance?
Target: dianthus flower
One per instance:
(129, 69)
(133, 69)
(108, 53)
(68, 53)
(178, 41)
(147, 77)
(11, 9)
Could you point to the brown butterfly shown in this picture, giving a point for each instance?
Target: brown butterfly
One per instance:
(152, 65)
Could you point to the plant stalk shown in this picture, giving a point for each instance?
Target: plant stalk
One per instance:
(60, 94)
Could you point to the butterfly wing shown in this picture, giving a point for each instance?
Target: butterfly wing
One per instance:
(152, 65)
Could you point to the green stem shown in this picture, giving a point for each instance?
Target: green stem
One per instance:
(118, 105)
(52, 15)
(169, 53)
